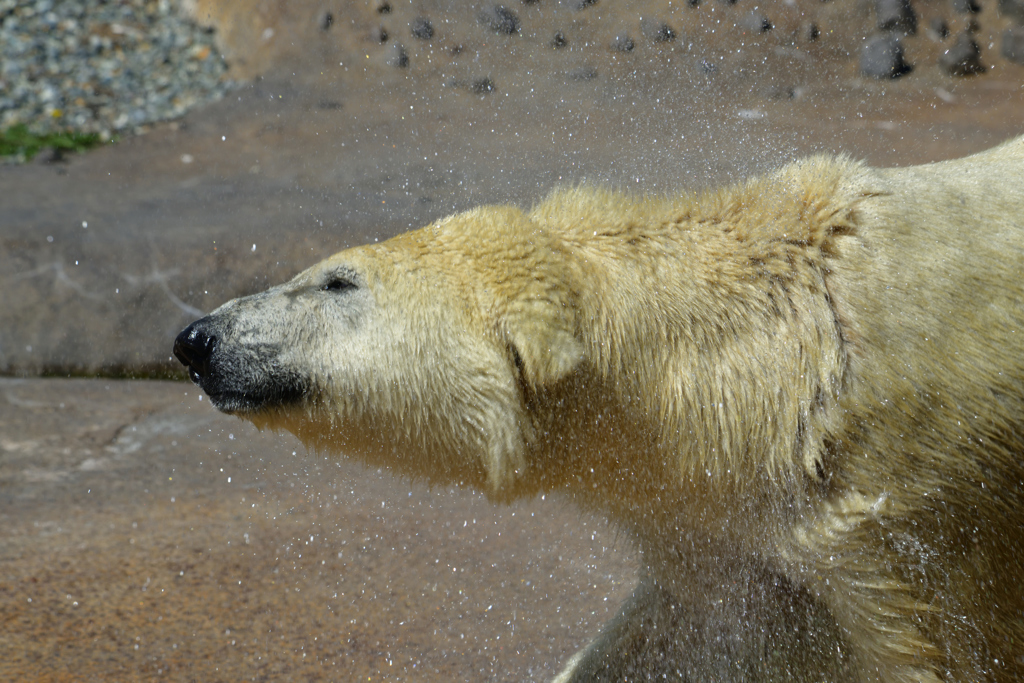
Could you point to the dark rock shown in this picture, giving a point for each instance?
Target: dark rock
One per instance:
(656, 30)
(399, 57)
(964, 58)
(583, 4)
(882, 57)
(499, 19)
(422, 28)
(481, 86)
(966, 7)
(810, 31)
(559, 40)
(384, 8)
(938, 29)
(896, 15)
(1013, 9)
(1013, 45)
(327, 21)
(381, 35)
(787, 92)
(623, 43)
(755, 22)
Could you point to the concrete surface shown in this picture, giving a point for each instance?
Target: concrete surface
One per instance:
(143, 536)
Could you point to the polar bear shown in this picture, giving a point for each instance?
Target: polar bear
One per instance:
(802, 397)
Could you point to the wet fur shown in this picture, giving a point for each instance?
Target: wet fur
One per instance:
(801, 395)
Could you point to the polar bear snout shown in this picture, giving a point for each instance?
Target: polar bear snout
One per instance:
(194, 347)
(241, 370)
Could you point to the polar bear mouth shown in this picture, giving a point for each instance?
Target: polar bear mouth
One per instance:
(243, 402)
(244, 393)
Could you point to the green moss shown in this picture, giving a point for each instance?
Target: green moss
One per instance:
(19, 141)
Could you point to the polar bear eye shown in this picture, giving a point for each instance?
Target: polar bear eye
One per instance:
(338, 284)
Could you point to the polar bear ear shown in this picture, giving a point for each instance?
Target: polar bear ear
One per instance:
(542, 344)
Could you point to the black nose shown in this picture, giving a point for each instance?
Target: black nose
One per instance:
(193, 348)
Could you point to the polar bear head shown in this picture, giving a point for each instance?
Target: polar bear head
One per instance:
(417, 353)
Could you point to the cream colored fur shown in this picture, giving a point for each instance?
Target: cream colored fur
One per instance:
(802, 396)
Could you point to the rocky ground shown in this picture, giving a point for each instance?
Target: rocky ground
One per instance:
(352, 122)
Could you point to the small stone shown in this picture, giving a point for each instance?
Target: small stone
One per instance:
(481, 86)
(966, 7)
(422, 28)
(1014, 9)
(499, 19)
(656, 31)
(811, 32)
(623, 43)
(964, 58)
(381, 35)
(1013, 45)
(882, 57)
(896, 15)
(327, 21)
(559, 40)
(399, 57)
(384, 7)
(938, 29)
(583, 4)
(755, 22)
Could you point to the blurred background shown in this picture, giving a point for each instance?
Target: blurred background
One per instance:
(159, 157)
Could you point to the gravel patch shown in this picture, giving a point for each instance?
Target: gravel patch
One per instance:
(103, 67)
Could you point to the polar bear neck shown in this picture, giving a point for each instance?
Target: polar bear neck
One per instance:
(721, 301)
